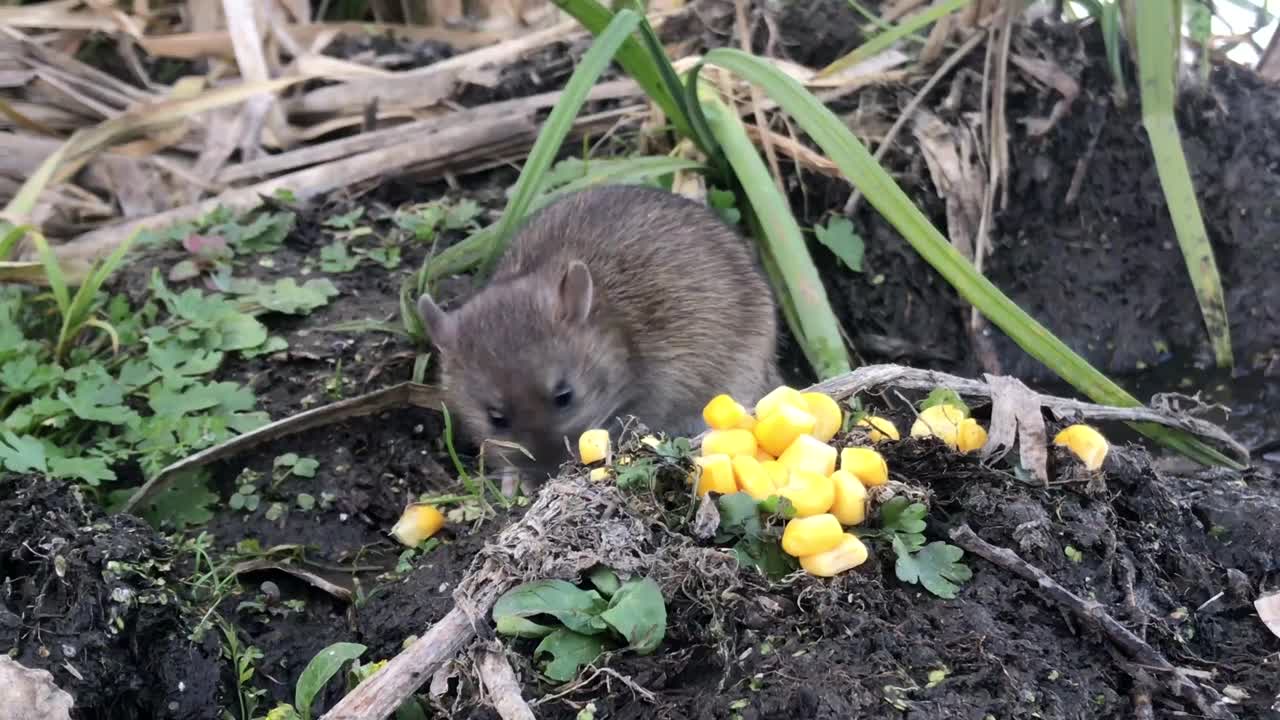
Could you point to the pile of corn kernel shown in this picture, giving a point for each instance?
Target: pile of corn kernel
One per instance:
(781, 449)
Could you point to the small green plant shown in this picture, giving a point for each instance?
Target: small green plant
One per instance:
(944, 396)
(76, 405)
(755, 544)
(243, 668)
(615, 615)
(290, 464)
(936, 566)
(313, 679)
(839, 236)
(246, 497)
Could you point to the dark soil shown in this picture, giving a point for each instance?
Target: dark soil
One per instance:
(88, 597)
(1176, 559)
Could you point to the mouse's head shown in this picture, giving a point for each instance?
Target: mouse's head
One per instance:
(533, 361)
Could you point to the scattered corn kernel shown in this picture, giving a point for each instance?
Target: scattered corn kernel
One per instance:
(763, 456)
(865, 464)
(940, 421)
(716, 475)
(729, 442)
(752, 478)
(879, 429)
(417, 523)
(850, 505)
(651, 440)
(830, 418)
(779, 475)
(970, 435)
(781, 428)
(810, 493)
(811, 535)
(809, 453)
(1086, 442)
(599, 474)
(849, 554)
(593, 445)
(725, 413)
(778, 397)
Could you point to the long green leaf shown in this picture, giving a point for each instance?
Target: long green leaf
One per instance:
(633, 58)
(75, 316)
(884, 40)
(557, 127)
(9, 237)
(1157, 59)
(858, 165)
(53, 273)
(317, 673)
(818, 325)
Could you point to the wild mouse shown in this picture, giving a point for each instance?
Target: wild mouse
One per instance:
(621, 300)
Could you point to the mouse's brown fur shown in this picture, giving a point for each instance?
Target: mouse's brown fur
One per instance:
(614, 301)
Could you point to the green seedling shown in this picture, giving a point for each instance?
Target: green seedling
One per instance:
(575, 626)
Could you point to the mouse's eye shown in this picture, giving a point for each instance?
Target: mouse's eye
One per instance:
(563, 396)
(497, 419)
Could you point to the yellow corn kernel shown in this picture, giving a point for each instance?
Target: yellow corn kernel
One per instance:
(850, 505)
(779, 475)
(778, 397)
(729, 442)
(865, 464)
(593, 446)
(763, 456)
(599, 474)
(940, 421)
(716, 475)
(417, 523)
(811, 535)
(830, 418)
(1086, 442)
(809, 453)
(752, 478)
(777, 431)
(879, 429)
(651, 440)
(849, 554)
(724, 413)
(970, 435)
(810, 493)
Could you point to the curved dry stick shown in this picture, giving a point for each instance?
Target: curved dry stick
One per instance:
(870, 377)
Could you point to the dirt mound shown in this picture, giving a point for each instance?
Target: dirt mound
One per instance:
(88, 597)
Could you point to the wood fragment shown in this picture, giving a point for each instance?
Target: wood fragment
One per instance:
(1094, 613)
(382, 693)
(420, 131)
(501, 683)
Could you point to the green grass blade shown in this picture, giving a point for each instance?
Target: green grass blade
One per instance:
(1109, 19)
(557, 127)
(470, 252)
(9, 237)
(53, 273)
(77, 312)
(858, 165)
(818, 327)
(884, 40)
(1157, 60)
(626, 170)
(633, 58)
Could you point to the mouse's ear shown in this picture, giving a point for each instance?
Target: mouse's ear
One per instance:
(576, 289)
(439, 326)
